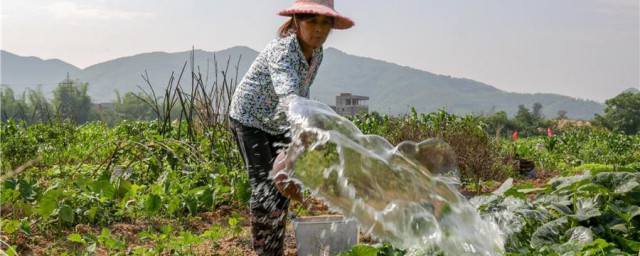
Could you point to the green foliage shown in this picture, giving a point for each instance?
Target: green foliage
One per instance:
(16, 147)
(10, 105)
(30, 107)
(580, 214)
(575, 147)
(373, 250)
(71, 101)
(128, 107)
(95, 175)
(499, 124)
(98, 175)
(583, 215)
(592, 168)
(528, 123)
(621, 113)
(39, 107)
(478, 158)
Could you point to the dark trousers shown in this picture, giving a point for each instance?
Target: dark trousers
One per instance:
(268, 207)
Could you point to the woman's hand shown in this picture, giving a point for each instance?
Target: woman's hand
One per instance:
(285, 185)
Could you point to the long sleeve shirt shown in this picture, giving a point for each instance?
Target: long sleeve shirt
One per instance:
(279, 70)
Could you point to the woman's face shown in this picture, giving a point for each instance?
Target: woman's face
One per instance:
(314, 30)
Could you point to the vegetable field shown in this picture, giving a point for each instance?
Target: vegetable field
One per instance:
(158, 187)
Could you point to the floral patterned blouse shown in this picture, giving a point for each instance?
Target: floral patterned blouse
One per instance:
(279, 70)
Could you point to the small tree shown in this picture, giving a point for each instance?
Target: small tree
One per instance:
(11, 107)
(562, 114)
(39, 106)
(537, 110)
(71, 101)
(499, 123)
(526, 123)
(622, 113)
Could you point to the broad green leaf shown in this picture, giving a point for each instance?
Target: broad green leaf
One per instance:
(26, 190)
(594, 188)
(123, 188)
(550, 233)
(207, 198)
(66, 213)
(609, 220)
(361, 250)
(633, 246)
(105, 232)
(25, 227)
(632, 198)
(560, 208)
(103, 188)
(173, 205)
(579, 236)
(91, 213)
(192, 205)
(12, 251)
(9, 195)
(620, 227)
(76, 238)
(624, 210)
(586, 209)
(49, 202)
(9, 184)
(222, 169)
(559, 183)
(153, 203)
(618, 182)
(10, 226)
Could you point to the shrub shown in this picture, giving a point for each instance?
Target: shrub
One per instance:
(478, 154)
(592, 168)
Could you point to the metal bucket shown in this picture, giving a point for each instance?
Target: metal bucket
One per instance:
(324, 235)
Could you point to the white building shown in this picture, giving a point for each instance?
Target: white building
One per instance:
(348, 105)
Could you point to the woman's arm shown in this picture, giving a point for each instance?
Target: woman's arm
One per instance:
(286, 186)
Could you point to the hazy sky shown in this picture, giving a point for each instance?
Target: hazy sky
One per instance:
(581, 48)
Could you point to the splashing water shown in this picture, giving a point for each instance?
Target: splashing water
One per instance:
(405, 194)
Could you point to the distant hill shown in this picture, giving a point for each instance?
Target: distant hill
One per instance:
(392, 88)
(632, 90)
(125, 74)
(23, 72)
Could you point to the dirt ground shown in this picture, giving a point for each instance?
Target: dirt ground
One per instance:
(240, 244)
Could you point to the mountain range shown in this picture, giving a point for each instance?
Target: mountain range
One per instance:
(392, 88)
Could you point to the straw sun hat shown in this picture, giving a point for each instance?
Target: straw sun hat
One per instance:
(322, 7)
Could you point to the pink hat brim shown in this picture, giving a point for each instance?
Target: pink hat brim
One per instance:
(341, 22)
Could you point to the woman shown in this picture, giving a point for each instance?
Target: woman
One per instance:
(288, 65)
